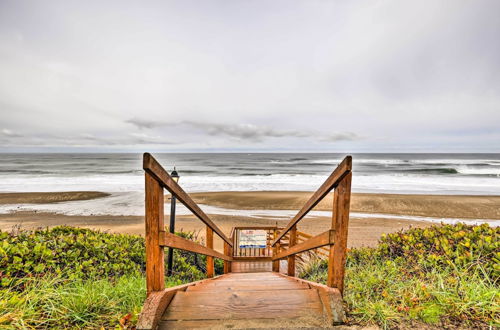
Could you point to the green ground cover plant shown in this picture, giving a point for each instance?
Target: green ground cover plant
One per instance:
(67, 277)
(445, 275)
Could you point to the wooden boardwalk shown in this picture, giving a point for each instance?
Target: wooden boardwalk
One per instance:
(252, 292)
(246, 300)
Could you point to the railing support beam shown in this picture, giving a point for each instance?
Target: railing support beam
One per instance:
(340, 223)
(276, 250)
(155, 263)
(228, 252)
(210, 245)
(291, 259)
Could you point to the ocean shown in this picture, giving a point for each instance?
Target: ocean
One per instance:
(468, 174)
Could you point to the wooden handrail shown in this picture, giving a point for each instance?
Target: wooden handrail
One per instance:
(298, 242)
(315, 242)
(177, 242)
(151, 166)
(344, 168)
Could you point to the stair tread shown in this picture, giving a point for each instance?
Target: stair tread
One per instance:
(244, 305)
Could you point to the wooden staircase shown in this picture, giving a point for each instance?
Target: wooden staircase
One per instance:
(247, 300)
(252, 293)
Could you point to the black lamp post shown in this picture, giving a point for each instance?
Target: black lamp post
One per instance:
(175, 177)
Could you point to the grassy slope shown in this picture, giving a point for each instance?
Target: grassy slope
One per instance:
(78, 278)
(446, 275)
(442, 276)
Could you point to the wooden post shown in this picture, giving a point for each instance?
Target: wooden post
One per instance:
(291, 259)
(210, 244)
(276, 250)
(227, 264)
(155, 263)
(340, 222)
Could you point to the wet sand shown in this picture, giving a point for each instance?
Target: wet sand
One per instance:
(362, 232)
(49, 197)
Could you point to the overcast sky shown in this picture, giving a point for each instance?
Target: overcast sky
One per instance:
(332, 76)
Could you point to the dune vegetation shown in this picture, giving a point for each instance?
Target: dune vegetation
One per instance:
(68, 277)
(444, 276)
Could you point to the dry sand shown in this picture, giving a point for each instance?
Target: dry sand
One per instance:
(362, 232)
(440, 206)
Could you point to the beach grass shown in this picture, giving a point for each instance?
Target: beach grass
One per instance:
(409, 280)
(423, 282)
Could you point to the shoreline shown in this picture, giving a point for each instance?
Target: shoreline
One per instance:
(363, 231)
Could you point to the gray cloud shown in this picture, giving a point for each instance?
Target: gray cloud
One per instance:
(407, 75)
(144, 123)
(10, 133)
(248, 132)
(344, 136)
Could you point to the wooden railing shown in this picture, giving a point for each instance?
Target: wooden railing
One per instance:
(252, 253)
(335, 238)
(157, 237)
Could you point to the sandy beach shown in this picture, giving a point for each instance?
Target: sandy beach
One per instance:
(362, 231)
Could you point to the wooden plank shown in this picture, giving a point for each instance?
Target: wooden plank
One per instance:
(255, 323)
(245, 299)
(151, 166)
(326, 238)
(157, 302)
(247, 287)
(155, 264)
(235, 282)
(153, 309)
(291, 258)
(244, 305)
(177, 242)
(331, 299)
(210, 259)
(252, 258)
(340, 222)
(333, 180)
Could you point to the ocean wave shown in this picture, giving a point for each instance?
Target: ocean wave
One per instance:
(449, 170)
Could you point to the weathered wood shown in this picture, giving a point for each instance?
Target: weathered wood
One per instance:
(252, 258)
(322, 251)
(155, 264)
(228, 250)
(276, 250)
(326, 238)
(340, 222)
(333, 180)
(151, 166)
(331, 299)
(210, 259)
(250, 266)
(156, 303)
(260, 323)
(291, 258)
(243, 304)
(252, 287)
(153, 309)
(177, 242)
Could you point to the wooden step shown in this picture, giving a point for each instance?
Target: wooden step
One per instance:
(248, 287)
(244, 305)
(257, 323)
